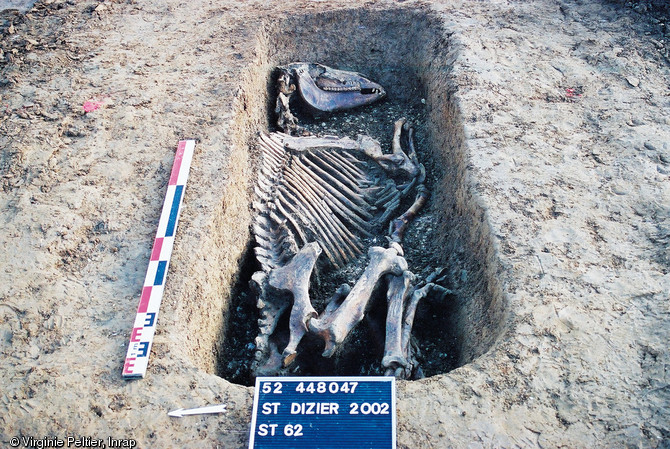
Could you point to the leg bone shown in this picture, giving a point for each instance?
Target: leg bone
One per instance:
(410, 310)
(408, 320)
(399, 225)
(336, 300)
(397, 162)
(399, 289)
(409, 369)
(335, 327)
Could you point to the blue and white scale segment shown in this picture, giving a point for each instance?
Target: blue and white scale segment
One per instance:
(144, 328)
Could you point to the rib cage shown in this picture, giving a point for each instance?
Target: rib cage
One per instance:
(332, 196)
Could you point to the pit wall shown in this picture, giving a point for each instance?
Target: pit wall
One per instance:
(464, 237)
(215, 239)
(392, 47)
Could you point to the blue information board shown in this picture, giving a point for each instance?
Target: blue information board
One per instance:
(324, 413)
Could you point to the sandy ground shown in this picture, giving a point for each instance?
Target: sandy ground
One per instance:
(566, 111)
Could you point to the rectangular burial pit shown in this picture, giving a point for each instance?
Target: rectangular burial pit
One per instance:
(408, 52)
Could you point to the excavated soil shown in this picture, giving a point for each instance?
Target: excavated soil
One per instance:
(545, 131)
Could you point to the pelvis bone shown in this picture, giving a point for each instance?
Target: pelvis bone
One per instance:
(294, 277)
(332, 195)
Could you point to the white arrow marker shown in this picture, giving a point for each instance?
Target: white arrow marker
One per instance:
(198, 411)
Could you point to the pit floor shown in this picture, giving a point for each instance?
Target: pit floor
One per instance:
(566, 114)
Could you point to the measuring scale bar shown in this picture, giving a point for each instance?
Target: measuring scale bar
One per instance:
(144, 327)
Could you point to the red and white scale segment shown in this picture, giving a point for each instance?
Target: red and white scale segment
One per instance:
(141, 337)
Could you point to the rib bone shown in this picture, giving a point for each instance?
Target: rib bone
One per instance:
(335, 327)
(294, 277)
